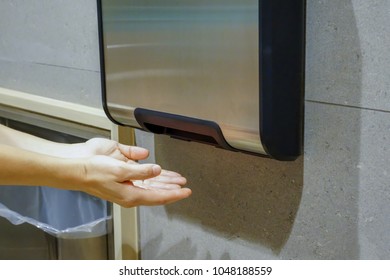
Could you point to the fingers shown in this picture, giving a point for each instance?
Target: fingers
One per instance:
(163, 189)
(149, 184)
(133, 152)
(169, 180)
(153, 197)
(133, 171)
(166, 180)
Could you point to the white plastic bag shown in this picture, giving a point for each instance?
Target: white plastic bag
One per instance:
(61, 213)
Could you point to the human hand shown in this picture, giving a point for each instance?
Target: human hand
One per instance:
(132, 184)
(111, 148)
(117, 177)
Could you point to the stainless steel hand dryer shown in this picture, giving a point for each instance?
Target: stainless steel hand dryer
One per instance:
(224, 72)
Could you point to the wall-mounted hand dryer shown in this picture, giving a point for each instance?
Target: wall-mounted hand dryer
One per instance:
(224, 72)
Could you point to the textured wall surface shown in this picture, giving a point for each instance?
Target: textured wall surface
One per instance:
(332, 203)
(50, 49)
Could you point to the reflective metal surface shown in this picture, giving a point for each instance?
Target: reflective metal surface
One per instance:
(194, 58)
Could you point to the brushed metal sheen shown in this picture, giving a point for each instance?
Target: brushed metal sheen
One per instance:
(187, 57)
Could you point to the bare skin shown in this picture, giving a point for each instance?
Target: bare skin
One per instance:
(100, 167)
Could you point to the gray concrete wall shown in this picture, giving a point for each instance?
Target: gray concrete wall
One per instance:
(49, 48)
(332, 203)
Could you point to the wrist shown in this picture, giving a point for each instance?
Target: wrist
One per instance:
(69, 174)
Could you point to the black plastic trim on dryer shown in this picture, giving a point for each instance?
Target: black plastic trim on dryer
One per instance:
(180, 127)
(282, 56)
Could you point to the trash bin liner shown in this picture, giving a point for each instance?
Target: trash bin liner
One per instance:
(61, 213)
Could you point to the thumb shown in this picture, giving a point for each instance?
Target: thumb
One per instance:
(133, 152)
(140, 171)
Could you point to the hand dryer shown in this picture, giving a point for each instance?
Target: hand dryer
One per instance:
(229, 73)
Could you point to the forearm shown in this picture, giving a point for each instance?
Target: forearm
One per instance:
(21, 167)
(18, 139)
